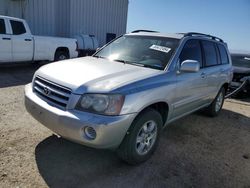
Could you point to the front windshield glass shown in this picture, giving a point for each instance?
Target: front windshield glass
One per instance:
(145, 51)
(241, 60)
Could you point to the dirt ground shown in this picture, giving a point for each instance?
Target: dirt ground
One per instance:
(196, 151)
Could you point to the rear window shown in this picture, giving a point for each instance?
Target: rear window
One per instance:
(17, 27)
(223, 54)
(210, 53)
(2, 27)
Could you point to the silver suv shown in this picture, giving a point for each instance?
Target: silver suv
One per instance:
(122, 96)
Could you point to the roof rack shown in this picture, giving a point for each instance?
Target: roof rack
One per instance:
(149, 31)
(201, 34)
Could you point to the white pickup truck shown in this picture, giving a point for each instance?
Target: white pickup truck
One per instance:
(17, 44)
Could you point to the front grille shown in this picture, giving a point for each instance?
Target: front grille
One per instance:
(52, 93)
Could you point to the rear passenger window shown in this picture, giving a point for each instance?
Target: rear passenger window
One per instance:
(2, 27)
(17, 27)
(210, 53)
(191, 51)
(223, 54)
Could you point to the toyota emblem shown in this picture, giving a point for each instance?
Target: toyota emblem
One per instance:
(46, 91)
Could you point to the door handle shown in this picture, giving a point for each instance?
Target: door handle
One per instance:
(203, 75)
(27, 39)
(6, 38)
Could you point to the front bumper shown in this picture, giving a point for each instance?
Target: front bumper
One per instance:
(110, 130)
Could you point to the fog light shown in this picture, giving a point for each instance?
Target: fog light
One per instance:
(90, 133)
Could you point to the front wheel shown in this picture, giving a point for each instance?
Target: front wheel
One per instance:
(215, 107)
(142, 138)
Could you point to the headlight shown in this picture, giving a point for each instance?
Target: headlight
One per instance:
(107, 104)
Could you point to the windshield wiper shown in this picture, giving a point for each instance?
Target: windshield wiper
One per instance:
(146, 65)
(139, 64)
(128, 62)
(97, 56)
(121, 61)
(153, 67)
(132, 63)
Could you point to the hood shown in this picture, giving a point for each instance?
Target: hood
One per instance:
(241, 70)
(90, 74)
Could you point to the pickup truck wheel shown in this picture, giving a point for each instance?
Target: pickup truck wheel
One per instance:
(61, 55)
(142, 138)
(215, 107)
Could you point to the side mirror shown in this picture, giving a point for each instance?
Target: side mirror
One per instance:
(97, 49)
(190, 66)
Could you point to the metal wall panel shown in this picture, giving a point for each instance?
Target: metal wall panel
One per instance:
(40, 14)
(11, 8)
(70, 17)
(98, 17)
(2, 7)
(63, 18)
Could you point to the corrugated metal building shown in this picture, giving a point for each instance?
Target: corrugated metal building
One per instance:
(66, 18)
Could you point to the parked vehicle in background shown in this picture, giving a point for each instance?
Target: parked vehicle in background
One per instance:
(87, 44)
(17, 44)
(130, 89)
(241, 69)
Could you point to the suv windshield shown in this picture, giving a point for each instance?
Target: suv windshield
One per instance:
(145, 51)
(241, 60)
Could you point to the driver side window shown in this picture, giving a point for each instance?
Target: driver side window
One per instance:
(191, 51)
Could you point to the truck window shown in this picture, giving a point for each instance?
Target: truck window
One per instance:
(2, 27)
(210, 53)
(191, 51)
(17, 27)
(223, 54)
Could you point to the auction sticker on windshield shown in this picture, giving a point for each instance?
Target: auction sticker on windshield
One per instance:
(160, 48)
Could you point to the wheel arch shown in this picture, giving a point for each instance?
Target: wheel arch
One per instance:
(225, 86)
(162, 107)
(62, 49)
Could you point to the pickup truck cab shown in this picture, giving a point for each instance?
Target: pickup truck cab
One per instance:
(130, 89)
(17, 44)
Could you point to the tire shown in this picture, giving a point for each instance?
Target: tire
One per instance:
(133, 152)
(61, 55)
(215, 107)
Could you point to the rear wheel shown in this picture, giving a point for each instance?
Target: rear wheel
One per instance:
(61, 55)
(215, 107)
(142, 138)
